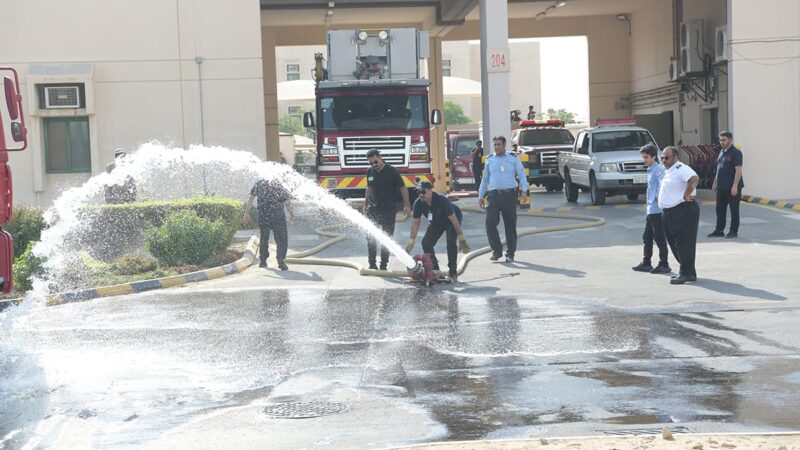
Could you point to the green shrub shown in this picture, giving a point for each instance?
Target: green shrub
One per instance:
(26, 266)
(132, 264)
(123, 225)
(25, 226)
(186, 238)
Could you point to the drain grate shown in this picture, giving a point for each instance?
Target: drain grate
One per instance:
(635, 431)
(304, 410)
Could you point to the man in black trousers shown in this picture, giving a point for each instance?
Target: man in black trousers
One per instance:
(680, 213)
(271, 196)
(728, 184)
(384, 188)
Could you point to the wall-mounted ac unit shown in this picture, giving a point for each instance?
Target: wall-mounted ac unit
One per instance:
(62, 97)
(721, 44)
(692, 49)
(673, 70)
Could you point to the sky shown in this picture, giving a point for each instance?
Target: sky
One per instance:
(565, 73)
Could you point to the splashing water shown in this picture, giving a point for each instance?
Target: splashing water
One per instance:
(162, 173)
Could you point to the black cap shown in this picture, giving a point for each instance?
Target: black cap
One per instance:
(424, 185)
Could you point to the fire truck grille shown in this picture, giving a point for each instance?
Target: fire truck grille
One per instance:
(360, 160)
(549, 159)
(381, 143)
(633, 166)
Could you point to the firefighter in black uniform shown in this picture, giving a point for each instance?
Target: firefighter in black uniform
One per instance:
(443, 218)
(384, 186)
(271, 197)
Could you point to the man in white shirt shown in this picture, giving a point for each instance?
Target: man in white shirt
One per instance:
(680, 213)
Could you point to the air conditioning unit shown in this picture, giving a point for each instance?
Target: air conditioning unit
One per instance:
(62, 97)
(692, 49)
(721, 44)
(673, 71)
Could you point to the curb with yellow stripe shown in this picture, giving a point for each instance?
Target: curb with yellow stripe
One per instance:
(768, 202)
(237, 266)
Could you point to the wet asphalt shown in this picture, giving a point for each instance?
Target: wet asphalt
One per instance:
(539, 348)
(496, 367)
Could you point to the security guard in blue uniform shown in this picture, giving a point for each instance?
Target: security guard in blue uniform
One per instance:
(502, 176)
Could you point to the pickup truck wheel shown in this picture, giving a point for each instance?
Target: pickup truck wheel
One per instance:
(633, 197)
(570, 189)
(598, 195)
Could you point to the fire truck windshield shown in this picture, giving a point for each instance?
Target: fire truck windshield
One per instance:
(374, 112)
(547, 136)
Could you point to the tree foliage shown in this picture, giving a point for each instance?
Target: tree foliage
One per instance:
(454, 114)
(292, 124)
(561, 114)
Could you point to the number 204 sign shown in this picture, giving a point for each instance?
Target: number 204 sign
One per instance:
(499, 60)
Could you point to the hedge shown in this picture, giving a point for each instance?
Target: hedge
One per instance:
(185, 238)
(113, 230)
(25, 226)
(26, 266)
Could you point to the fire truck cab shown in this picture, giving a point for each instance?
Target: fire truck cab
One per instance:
(13, 137)
(370, 95)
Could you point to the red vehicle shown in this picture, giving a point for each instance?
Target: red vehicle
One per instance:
(13, 137)
(542, 141)
(459, 153)
(371, 96)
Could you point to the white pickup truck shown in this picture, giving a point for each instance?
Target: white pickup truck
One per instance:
(606, 161)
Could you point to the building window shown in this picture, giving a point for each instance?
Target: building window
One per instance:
(66, 145)
(295, 111)
(292, 72)
(446, 69)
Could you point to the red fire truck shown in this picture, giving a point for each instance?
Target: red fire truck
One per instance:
(370, 95)
(13, 137)
(542, 141)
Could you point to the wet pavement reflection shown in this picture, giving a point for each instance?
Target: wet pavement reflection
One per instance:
(497, 366)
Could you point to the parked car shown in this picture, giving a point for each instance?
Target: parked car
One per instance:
(606, 160)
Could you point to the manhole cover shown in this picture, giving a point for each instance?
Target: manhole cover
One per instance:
(639, 431)
(304, 410)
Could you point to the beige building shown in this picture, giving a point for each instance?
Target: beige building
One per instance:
(203, 71)
(183, 72)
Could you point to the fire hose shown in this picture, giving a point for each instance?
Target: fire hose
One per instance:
(420, 270)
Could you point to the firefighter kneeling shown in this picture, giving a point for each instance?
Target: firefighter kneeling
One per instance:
(443, 217)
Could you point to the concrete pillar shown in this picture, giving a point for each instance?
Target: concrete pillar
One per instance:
(609, 67)
(495, 65)
(764, 43)
(436, 101)
(268, 41)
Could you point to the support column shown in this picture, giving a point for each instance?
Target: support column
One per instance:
(268, 42)
(495, 65)
(436, 101)
(609, 67)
